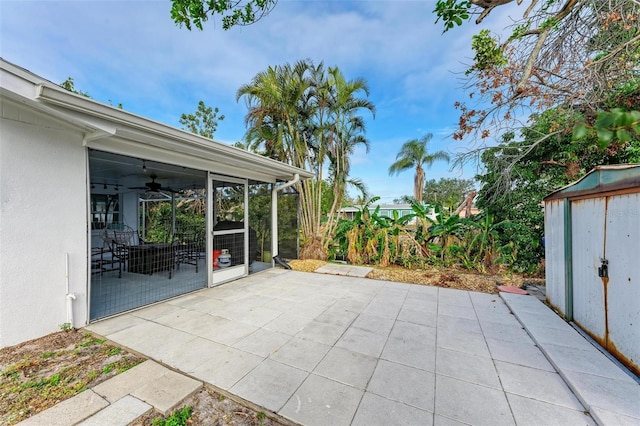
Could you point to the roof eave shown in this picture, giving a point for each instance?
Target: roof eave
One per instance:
(131, 124)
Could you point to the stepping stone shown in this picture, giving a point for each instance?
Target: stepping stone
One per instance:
(511, 289)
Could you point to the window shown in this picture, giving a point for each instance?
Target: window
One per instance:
(105, 210)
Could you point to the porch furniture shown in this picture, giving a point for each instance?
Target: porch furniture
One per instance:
(119, 241)
(103, 260)
(150, 258)
(189, 247)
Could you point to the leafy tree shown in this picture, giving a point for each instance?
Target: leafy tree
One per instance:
(448, 192)
(413, 154)
(203, 122)
(580, 55)
(69, 85)
(237, 12)
(541, 168)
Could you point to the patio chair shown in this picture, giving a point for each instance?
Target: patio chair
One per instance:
(188, 248)
(119, 241)
(103, 260)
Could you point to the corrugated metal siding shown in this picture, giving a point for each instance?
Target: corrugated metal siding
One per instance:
(623, 253)
(587, 239)
(554, 253)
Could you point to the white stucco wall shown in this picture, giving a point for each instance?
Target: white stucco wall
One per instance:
(43, 215)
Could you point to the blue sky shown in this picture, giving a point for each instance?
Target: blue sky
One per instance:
(131, 52)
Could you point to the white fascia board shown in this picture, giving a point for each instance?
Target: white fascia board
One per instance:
(73, 123)
(144, 130)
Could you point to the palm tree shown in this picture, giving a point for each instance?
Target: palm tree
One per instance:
(414, 154)
(308, 115)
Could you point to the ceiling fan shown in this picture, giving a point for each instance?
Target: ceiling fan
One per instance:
(154, 186)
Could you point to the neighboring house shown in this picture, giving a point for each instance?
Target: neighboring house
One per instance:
(76, 177)
(592, 246)
(386, 210)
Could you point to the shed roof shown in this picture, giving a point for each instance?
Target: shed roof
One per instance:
(600, 181)
(112, 129)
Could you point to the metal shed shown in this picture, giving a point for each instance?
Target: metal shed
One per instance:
(592, 234)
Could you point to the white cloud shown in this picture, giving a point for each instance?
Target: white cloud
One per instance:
(131, 52)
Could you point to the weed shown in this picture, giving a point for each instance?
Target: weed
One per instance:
(113, 351)
(46, 355)
(108, 368)
(221, 398)
(66, 326)
(177, 418)
(90, 341)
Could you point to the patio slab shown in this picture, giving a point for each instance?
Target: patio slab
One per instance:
(335, 353)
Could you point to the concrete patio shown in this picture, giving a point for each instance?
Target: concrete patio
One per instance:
(335, 350)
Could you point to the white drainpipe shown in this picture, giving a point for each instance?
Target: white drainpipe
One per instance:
(274, 213)
(70, 296)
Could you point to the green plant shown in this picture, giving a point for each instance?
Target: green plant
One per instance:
(66, 326)
(177, 418)
(113, 350)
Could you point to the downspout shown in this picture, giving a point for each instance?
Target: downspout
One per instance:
(70, 296)
(274, 216)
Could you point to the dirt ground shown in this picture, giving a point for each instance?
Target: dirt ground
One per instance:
(40, 373)
(447, 278)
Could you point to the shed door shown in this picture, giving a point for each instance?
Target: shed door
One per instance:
(623, 295)
(607, 307)
(588, 236)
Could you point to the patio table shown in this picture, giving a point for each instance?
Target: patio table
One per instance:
(150, 258)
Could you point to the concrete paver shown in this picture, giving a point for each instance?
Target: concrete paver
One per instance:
(349, 270)
(301, 353)
(409, 385)
(606, 391)
(270, 385)
(344, 366)
(68, 412)
(470, 403)
(375, 409)
(325, 349)
(536, 384)
(321, 401)
(227, 367)
(120, 413)
(531, 412)
(471, 368)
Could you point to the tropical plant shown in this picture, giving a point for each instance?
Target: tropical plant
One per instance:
(307, 115)
(413, 154)
(445, 233)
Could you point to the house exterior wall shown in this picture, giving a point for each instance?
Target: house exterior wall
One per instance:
(43, 216)
(555, 253)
